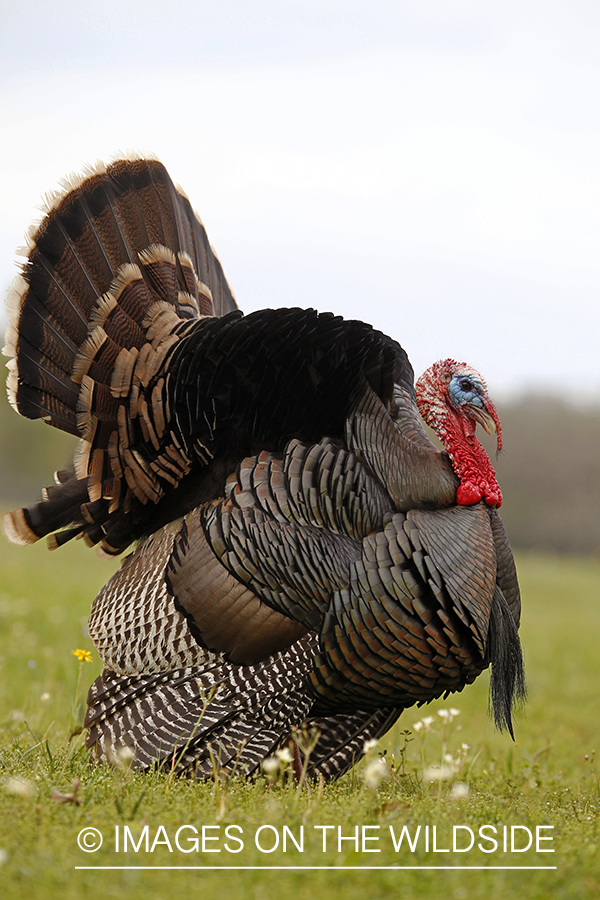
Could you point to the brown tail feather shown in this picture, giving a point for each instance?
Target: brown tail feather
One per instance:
(104, 223)
(114, 272)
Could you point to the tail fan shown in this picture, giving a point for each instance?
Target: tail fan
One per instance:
(116, 273)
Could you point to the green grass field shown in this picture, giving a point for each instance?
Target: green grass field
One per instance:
(548, 778)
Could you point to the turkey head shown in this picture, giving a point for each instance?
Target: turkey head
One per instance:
(452, 398)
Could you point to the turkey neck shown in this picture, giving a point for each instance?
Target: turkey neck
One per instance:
(469, 460)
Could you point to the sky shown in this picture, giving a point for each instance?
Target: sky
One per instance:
(428, 166)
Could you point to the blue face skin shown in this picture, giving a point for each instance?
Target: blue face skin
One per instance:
(466, 390)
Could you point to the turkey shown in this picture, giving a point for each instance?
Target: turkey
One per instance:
(303, 555)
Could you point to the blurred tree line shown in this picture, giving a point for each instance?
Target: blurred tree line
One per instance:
(549, 470)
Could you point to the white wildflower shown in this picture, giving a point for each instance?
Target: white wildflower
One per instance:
(270, 765)
(448, 715)
(438, 773)
(417, 725)
(368, 745)
(21, 787)
(125, 757)
(374, 773)
(459, 790)
(45, 697)
(284, 755)
(427, 722)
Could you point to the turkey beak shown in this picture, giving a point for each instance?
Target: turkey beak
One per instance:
(488, 418)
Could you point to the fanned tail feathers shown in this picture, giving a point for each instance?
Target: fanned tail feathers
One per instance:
(115, 274)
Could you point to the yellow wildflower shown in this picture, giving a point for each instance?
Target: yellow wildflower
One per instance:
(82, 655)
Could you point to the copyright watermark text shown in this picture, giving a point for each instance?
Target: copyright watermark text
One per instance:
(330, 839)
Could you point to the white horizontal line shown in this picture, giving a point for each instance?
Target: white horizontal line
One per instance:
(312, 868)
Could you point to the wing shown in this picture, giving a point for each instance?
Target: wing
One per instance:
(173, 605)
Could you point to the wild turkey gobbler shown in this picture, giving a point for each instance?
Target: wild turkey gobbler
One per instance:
(331, 566)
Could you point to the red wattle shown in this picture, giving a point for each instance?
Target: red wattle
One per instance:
(468, 493)
(493, 497)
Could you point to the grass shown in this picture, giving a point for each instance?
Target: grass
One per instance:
(547, 778)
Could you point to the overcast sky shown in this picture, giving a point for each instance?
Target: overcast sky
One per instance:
(430, 166)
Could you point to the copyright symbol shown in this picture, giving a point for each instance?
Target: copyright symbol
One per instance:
(89, 839)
